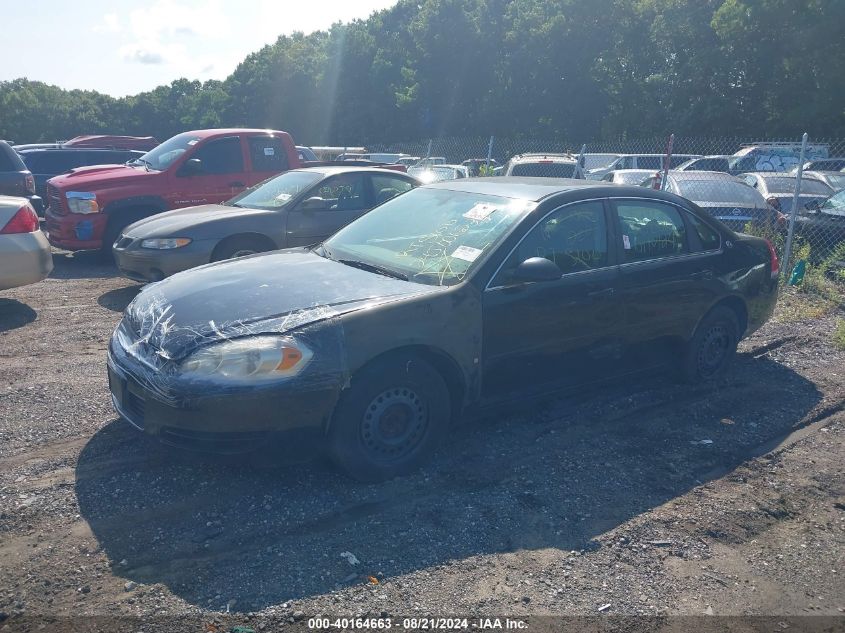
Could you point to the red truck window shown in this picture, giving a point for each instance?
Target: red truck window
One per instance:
(223, 156)
(267, 154)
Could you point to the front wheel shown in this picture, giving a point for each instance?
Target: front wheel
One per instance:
(712, 346)
(390, 420)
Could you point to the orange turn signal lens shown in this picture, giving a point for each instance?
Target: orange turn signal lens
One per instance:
(290, 358)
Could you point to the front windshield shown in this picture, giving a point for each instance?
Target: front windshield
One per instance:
(276, 192)
(837, 181)
(719, 191)
(163, 156)
(432, 236)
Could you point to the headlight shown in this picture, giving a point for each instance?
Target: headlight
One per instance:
(82, 202)
(250, 359)
(166, 243)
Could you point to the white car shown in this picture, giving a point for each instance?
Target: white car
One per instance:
(436, 173)
(542, 166)
(25, 256)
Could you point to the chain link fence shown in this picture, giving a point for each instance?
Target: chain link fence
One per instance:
(753, 185)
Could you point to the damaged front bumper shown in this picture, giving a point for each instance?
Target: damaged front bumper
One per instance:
(220, 417)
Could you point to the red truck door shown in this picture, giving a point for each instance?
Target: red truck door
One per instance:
(219, 175)
(268, 156)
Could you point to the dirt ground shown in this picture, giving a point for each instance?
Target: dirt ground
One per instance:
(648, 498)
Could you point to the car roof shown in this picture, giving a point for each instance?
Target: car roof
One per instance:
(59, 150)
(632, 171)
(330, 170)
(563, 158)
(701, 175)
(526, 188)
(233, 130)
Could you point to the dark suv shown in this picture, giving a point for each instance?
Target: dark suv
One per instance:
(15, 178)
(44, 163)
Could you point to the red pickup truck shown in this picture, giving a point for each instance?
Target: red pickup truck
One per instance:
(89, 206)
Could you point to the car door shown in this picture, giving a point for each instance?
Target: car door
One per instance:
(328, 206)
(666, 281)
(562, 332)
(220, 174)
(268, 157)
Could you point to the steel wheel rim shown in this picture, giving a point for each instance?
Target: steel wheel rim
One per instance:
(394, 424)
(713, 349)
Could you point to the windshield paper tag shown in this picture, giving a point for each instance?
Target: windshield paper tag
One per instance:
(626, 242)
(466, 253)
(481, 211)
(269, 151)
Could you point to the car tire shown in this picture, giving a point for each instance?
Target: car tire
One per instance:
(712, 346)
(234, 247)
(390, 420)
(115, 227)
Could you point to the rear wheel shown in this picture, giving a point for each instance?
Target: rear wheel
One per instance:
(391, 419)
(234, 247)
(712, 346)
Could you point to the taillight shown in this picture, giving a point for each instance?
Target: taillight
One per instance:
(30, 183)
(775, 203)
(773, 257)
(24, 221)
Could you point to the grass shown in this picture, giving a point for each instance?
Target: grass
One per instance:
(796, 304)
(839, 334)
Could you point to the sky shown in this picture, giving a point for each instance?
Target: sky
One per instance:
(122, 48)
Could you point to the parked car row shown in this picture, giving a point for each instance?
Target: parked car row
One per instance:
(362, 311)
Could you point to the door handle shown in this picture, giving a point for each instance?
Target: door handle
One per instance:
(702, 275)
(237, 183)
(600, 294)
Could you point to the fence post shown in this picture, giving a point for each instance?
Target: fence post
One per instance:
(489, 156)
(428, 151)
(787, 251)
(580, 172)
(666, 160)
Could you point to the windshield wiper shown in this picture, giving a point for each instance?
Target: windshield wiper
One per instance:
(147, 164)
(374, 268)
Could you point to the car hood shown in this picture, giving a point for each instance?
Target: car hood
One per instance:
(99, 177)
(265, 293)
(181, 222)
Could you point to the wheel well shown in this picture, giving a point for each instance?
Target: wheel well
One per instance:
(253, 237)
(738, 306)
(444, 364)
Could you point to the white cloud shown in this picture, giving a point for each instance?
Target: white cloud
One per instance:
(110, 24)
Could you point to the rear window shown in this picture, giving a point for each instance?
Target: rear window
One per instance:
(267, 154)
(9, 159)
(787, 185)
(719, 191)
(544, 170)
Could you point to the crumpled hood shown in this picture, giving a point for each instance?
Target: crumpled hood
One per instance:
(98, 177)
(265, 293)
(183, 221)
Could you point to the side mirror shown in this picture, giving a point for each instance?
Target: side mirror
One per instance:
(537, 269)
(191, 167)
(314, 203)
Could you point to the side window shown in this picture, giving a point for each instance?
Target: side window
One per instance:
(574, 238)
(344, 193)
(57, 162)
(221, 157)
(268, 154)
(751, 180)
(650, 230)
(387, 187)
(709, 238)
(628, 162)
(649, 162)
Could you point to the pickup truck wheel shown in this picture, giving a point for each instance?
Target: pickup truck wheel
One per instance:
(240, 247)
(390, 420)
(712, 346)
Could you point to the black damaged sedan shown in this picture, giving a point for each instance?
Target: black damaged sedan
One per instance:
(454, 296)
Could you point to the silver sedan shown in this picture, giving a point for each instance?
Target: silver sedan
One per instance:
(25, 256)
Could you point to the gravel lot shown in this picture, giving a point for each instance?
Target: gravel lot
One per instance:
(648, 498)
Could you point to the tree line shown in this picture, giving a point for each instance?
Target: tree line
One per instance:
(572, 70)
